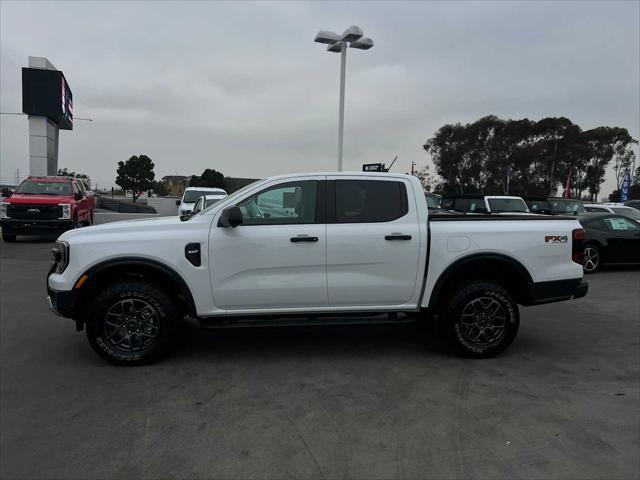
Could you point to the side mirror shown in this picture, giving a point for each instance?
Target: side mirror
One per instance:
(230, 217)
(177, 203)
(78, 196)
(6, 193)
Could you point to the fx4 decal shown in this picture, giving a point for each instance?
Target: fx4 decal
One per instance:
(556, 239)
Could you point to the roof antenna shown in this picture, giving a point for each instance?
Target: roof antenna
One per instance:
(389, 167)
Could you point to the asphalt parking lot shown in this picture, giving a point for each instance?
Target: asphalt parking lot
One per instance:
(356, 402)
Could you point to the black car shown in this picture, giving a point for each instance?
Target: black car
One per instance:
(632, 203)
(610, 239)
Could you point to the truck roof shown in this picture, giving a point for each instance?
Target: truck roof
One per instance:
(342, 174)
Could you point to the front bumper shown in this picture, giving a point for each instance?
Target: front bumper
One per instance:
(556, 291)
(61, 303)
(15, 226)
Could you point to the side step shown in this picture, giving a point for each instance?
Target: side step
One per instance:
(306, 320)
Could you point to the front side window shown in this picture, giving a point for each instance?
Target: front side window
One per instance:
(370, 201)
(286, 203)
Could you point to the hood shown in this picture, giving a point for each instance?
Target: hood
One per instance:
(145, 225)
(19, 198)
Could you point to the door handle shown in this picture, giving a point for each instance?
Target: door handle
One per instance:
(397, 236)
(303, 238)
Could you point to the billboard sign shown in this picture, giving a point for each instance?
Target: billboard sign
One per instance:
(46, 93)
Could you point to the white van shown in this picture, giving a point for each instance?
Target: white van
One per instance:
(191, 194)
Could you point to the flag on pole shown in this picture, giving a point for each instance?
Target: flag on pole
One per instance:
(626, 186)
(567, 188)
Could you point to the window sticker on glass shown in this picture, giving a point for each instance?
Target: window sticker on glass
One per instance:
(618, 224)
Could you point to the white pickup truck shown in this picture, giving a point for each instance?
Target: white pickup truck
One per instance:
(313, 249)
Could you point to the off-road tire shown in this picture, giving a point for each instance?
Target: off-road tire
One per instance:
(468, 313)
(100, 332)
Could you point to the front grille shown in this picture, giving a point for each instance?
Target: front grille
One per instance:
(34, 212)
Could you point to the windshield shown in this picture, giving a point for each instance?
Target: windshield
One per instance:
(499, 205)
(627, 212)
(191, 196)
(44, 188)
(431, 201)
(233, 196)
(567, 206)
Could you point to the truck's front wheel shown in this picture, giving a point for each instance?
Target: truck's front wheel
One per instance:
(480, 320)
(130, 321)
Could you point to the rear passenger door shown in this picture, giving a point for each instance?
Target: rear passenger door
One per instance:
(373, 241)
(624, 243)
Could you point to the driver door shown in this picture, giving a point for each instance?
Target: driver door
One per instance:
(277, 257)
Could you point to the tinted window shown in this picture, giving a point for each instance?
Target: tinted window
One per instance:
(596, 209)
(370, 201)
(627, 212)
(286, 203)
(597, 225)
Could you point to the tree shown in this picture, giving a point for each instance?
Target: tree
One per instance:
(63, 172)
(159, 188)
(475, 158)
(209, 178)
(425, 178)
(135, 175)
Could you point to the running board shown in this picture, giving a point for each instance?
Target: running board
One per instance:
(305, 320)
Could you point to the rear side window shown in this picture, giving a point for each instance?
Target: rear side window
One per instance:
(370, 201)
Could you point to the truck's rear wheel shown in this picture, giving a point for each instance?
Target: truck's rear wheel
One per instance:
(480, 320)
(130, 321)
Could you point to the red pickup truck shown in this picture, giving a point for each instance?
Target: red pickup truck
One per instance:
(46, 204)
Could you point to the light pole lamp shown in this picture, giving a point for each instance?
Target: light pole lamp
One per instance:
(352, 37)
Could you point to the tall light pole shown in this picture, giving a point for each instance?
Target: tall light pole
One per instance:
(352, 37)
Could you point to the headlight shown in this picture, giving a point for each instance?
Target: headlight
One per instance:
(60, 254)
(3, 210)
(66, 210)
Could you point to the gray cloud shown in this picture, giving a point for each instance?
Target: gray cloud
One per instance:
(242, 88)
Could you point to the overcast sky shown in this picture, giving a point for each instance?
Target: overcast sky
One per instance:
(242, 88)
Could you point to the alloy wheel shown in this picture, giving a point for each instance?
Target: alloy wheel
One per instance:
(591, 259)
(483, 321)
(131, 324)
